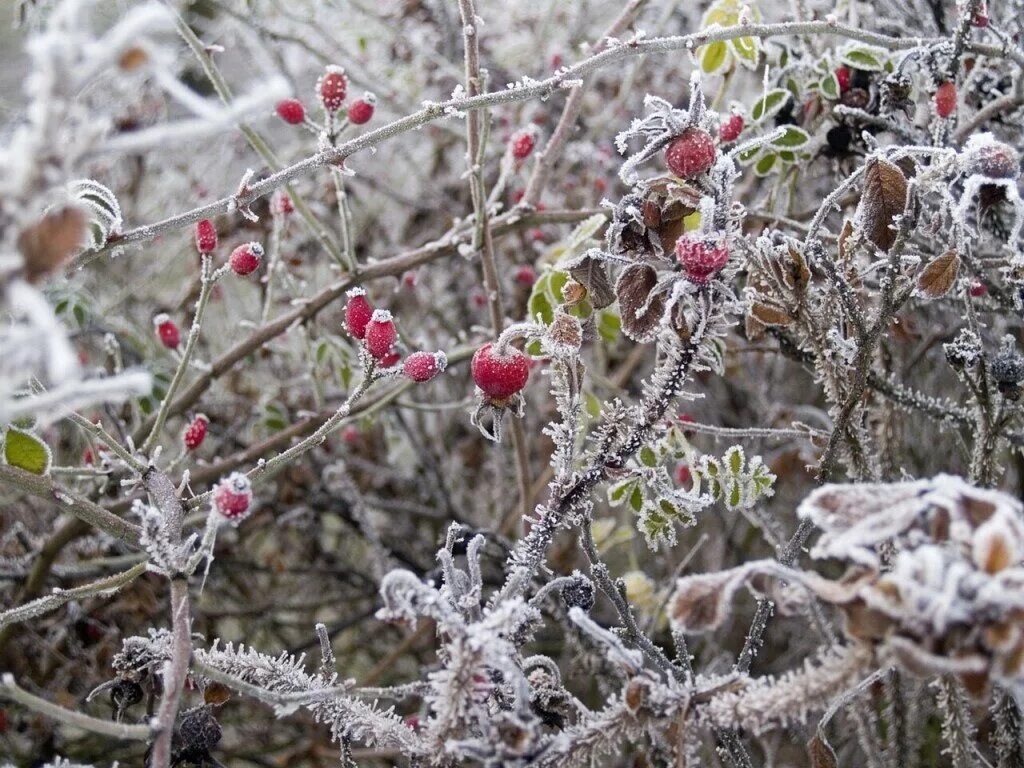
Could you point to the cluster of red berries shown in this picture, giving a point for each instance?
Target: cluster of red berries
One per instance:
(375, 328)
(232, 497)
(331, 90)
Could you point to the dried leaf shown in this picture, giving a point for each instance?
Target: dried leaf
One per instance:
(591, 273)
(799, 272)
(216, 694)
(885, 196)
(844, 236)
(641, 313)
(821, 753)
(753, 328)
(939, 275)
(769, 315)
(701, 602)
(48, 243)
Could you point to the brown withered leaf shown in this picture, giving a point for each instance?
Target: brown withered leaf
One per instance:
(939, 275)
(701, 603)
(844, 236)
(753, 328)
(216, 694)
(634, 292)
(669, 232)
(799, 272)
(769, 315)
(592, 274)
(48, 243)
(821, 753)
(885, 196)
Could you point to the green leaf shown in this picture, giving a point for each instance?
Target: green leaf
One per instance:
(617, 493)
(734, 495)
(734, 459)
(648, 457)
(747, 156)
(592, 405)
(609, 325)
(540, 306)
(636, 499)
(26, 451)
(713, 57)
(747, 50)
(793, 137)
(771, 103)
(829, 86)
(764, 166)
(864, 57)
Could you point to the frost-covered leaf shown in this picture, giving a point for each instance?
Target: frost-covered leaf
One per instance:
(939, 275)
(713, 56)
(884, 197)
(639, 310)
(26, 451)
(769, 104)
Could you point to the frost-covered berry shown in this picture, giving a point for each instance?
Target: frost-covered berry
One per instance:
(390, 360)
(331, 88)
(844, 77)
(361, 110)
(195, 432)
(198, 733)
(691, 153)
(281, 203)
(945, 100)
(381, 334)
(684, 475)
(246, 258)
(351, 434)
(522, 143)
(979, 18)
(167, 331)
(358, 312)
(578, 593)
(985, 156)
(525, 275)
(206, 236)
(701, 259)
(291, 111)
(233, 497)
(1007, 367)
(977, 289)
(423, 366)
(499, 376)
(731, 128)
(125, 694)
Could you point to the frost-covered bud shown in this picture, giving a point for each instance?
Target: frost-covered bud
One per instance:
(963, 351)
(522, 143)
(985, 156)
(233, 497)
(206, 236)
(578, 593)
(565, 334)
(195, 433)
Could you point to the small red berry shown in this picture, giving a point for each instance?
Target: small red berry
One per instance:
(945, 100)
(331, 88)
(361, 110)
(691, 153)
(410, 279)
(281, 204)
(233, 497)
(357, 312)
(381, 334)
(499, 376)
(525, 275)
(984, 156)
(423, 366)
(167, 330)
(206, 236)
(522, 143)
(351, 435)
(701, 259)
(195, 433)
(291, 111)
(731, 128)
(479, 299)
(245, 259)
(978, 289)
(980, 16)
(390, 359)
(683, 474)
(844, 77)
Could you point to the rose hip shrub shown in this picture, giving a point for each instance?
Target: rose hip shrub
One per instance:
(512, 384)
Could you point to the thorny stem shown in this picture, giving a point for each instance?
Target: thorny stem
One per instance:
(208, 278)
(539, 89)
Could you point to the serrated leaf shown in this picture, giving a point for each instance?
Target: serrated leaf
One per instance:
(884, 197)
(592, 274)
(864, 57)
(26, 451)
(713, 56)
(539, 306)
(734, 459)
(585, 230)
(939, 275)
(769, 104)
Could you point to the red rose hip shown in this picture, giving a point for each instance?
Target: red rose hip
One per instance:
(206, 236)
(423, 366)
(246, 258)
(701, 259)
(233, 497)
(499, 376)
(361, 110)
(945, 100)
(167, 331)
(358, 312)
(381, 334)
(691, 153)
(195, 433)
(291, 111)
(731, 128)
(331, 88)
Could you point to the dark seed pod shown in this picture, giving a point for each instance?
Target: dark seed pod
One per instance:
(1007, 367)
(125, 694)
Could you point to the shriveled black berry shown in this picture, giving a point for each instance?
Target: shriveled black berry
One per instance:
(579, 593)
(125, 693)
(785, 115)
(198, 733)
(1007, 367)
